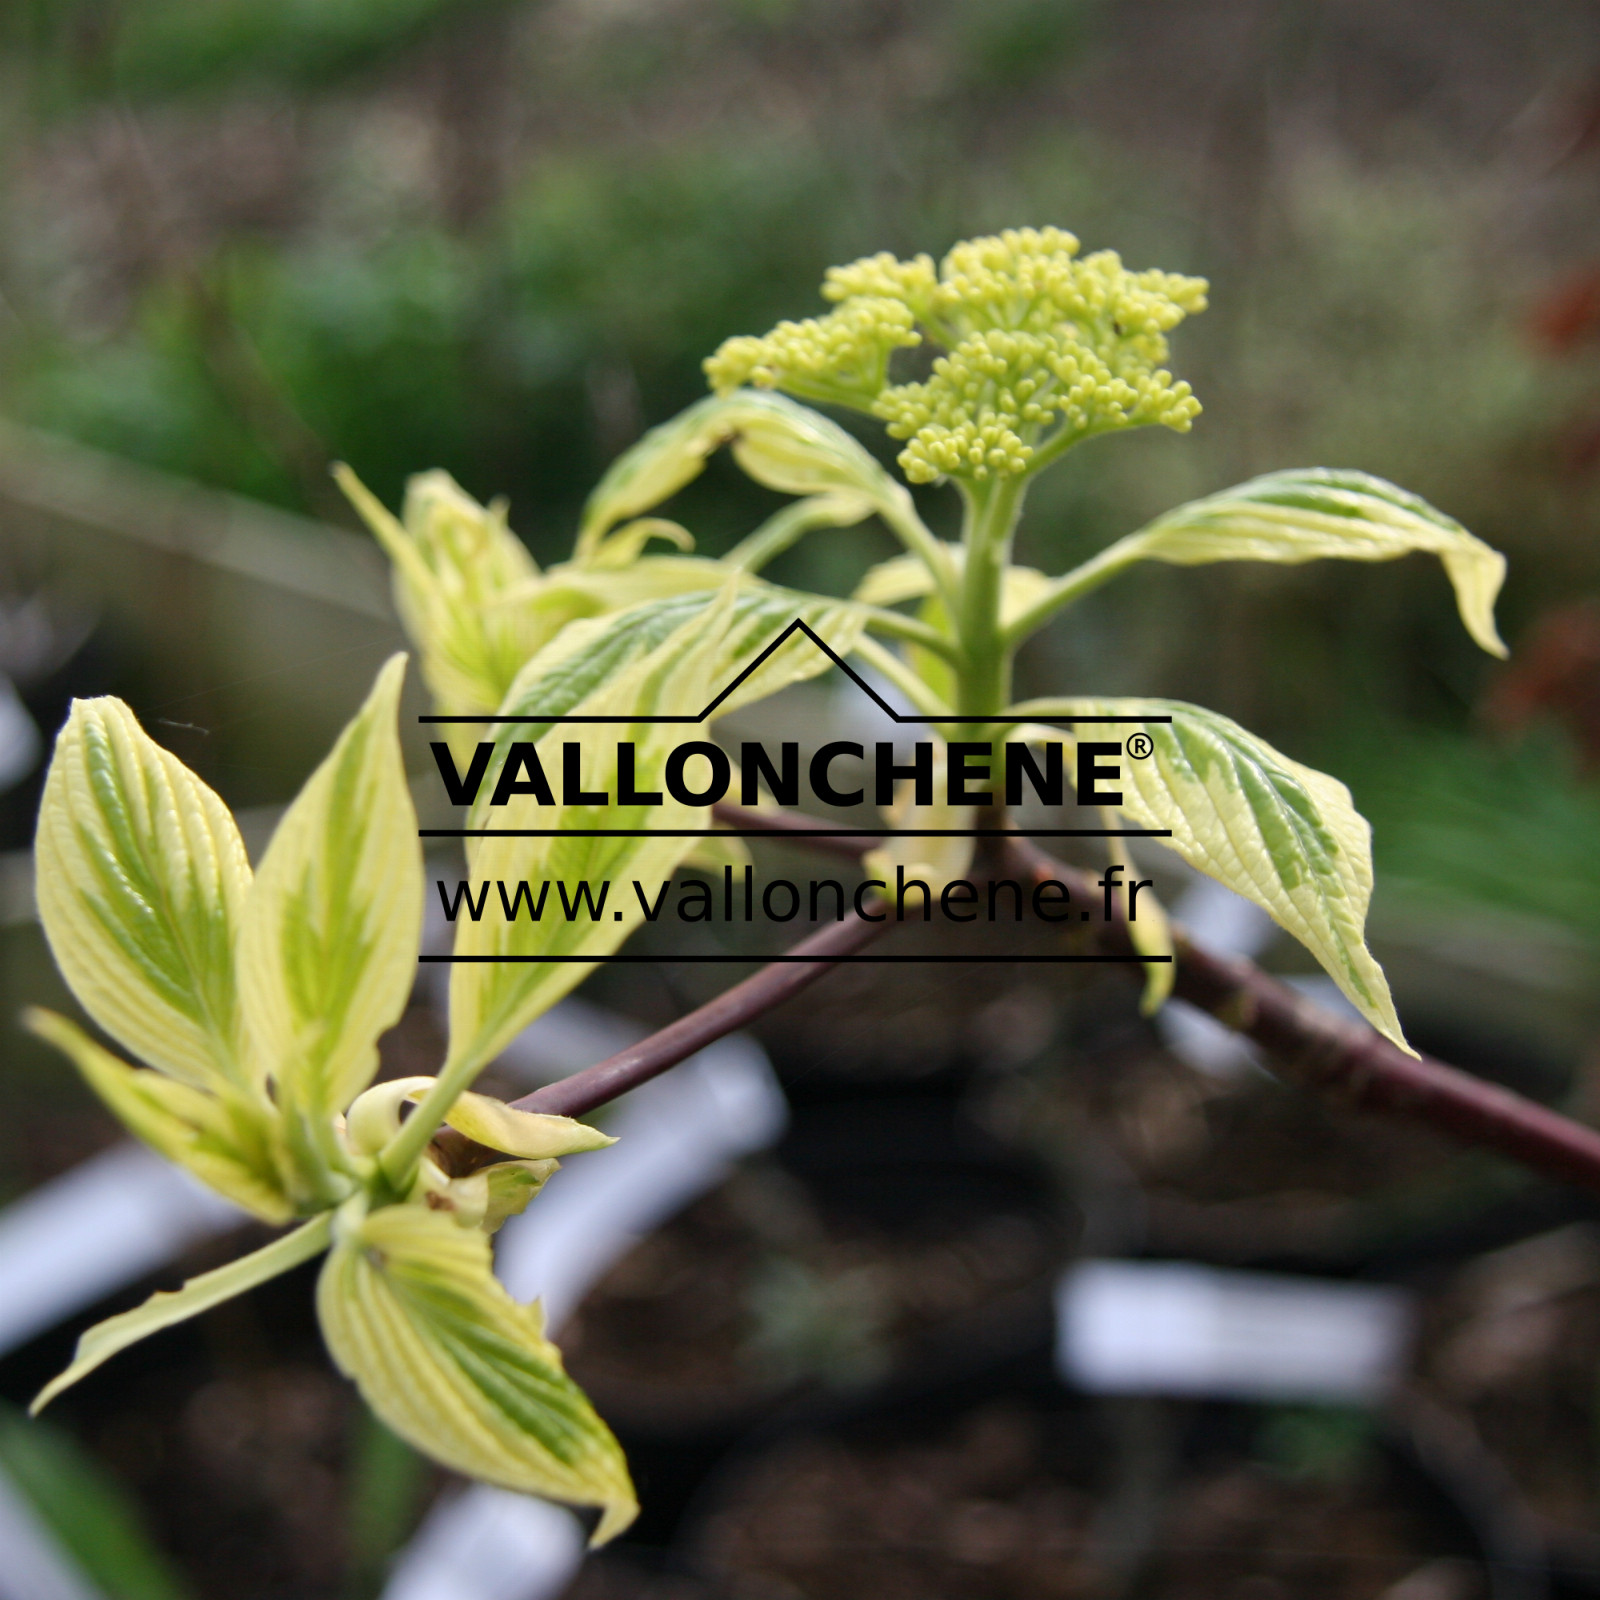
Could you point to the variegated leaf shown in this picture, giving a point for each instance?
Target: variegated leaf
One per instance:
(141, 878)
(508, 971)
(592, 654)
(1313, 514)
(440, 1351)
(328, 948)
(225, 1139)
(1278, 833)
(781, 444)
(455, 562)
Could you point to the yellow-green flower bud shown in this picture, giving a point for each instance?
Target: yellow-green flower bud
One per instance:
(1041, 347)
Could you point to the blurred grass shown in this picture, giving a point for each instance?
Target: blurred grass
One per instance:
(91, 1518)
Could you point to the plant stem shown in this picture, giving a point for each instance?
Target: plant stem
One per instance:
(399, 1157)
(732, 1009)
(1069, 587)
(984, 677)
(1339, 1059)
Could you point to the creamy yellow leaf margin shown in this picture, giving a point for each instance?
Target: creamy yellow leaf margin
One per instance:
(328, 947)
(454, 1365)
(1278, 833)
(141, 882)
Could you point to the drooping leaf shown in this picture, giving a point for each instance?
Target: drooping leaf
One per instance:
(783, 445)
(1147, 928)
(1318, 513)
(141, 879)
(440, 1351)
(328, 948)
(224, 1139)
(1278, 833)
(569, 593)
(163, 1310)
(626, 544)
(792, 522)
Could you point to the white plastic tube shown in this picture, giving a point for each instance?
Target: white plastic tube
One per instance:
(1161, 1327)
(110, 1221)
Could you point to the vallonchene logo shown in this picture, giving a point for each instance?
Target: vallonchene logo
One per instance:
(698, 772)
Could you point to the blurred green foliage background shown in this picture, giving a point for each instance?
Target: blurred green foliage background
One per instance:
(498, 236)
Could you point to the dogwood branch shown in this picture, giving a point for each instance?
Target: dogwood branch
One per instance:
(1344, 1060)
(731, 1010)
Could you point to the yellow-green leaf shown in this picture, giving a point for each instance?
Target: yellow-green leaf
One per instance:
(511, 1185)
(163, 1310)
(374, 1119)
(941, 857)
(141, 879)
(626, 544)
(328, 949)
(529, 1135)
(714, 851)
(591, 654)
(781, 444)
(1278, 833)
(454, 563)
(440, 1351)
(1147, 928)
(1313, 514)
(224, 1139)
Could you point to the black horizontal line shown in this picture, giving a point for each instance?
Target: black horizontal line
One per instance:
(798, 835)
(838, 961)
(799, 625)
(689, 719)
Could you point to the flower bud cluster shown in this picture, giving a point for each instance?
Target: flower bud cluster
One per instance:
(842, 357)
(1037, 342)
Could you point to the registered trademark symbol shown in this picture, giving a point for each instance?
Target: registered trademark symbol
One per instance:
(1140, 745)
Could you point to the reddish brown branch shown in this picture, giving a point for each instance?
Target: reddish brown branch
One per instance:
(1345, 1060)
(729, 1011)
(796, 825)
